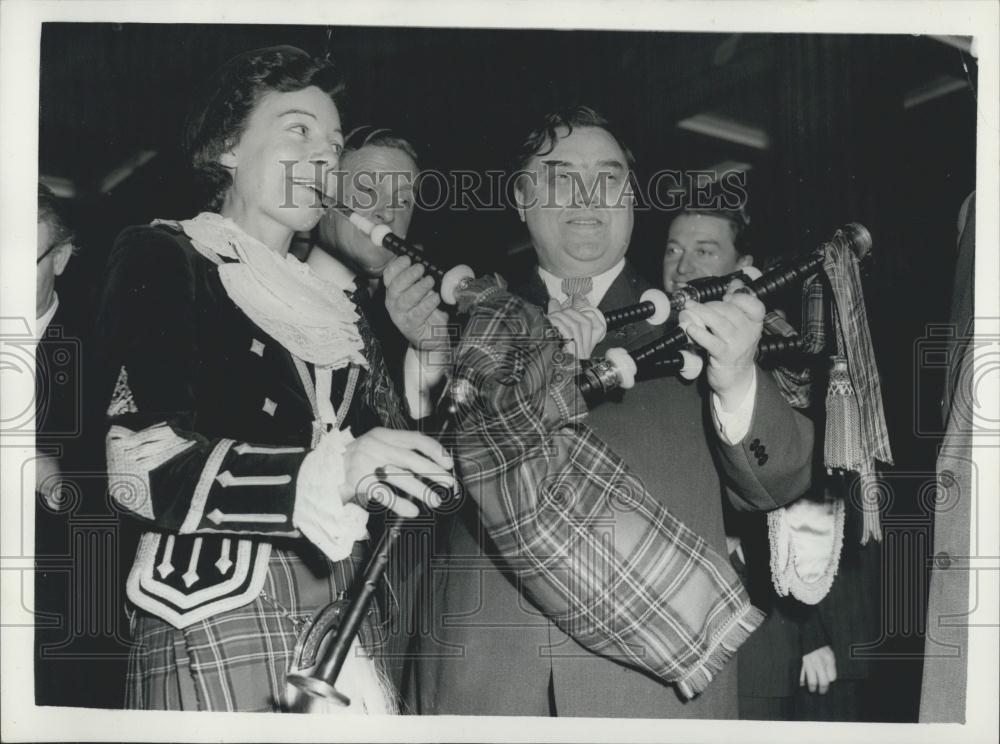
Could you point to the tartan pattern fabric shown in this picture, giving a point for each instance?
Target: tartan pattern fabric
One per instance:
(813, 316)
(854, 343)
(236, 660)
(601, 557)
(855, 416)
(794, 384)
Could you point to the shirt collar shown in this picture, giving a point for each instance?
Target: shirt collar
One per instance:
(602, 283)
(43, 322)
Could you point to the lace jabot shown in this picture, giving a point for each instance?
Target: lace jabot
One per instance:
(311, 317)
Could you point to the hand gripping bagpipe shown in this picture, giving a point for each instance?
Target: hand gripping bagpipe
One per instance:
(855, 434)
(655, 306)
(620, 368)
(323, 649)
(512, 396)
(449, 282)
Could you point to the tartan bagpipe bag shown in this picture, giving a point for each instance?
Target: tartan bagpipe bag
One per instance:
(602, 558)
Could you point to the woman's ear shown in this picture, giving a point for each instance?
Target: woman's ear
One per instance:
(228, 158)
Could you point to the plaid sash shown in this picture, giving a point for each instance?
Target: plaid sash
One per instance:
(794, 384)
(856, 433)
(854, 341)
(604, 560)
(813, 320)
(862, 438)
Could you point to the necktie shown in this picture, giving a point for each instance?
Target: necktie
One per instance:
(361, 300)
(380, 394)
(577, 289)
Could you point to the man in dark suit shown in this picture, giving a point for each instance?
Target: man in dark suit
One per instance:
(490, 650)
(798, 664)
(55, 248)
(80, 649)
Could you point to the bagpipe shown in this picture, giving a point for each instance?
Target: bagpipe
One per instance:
(655, 306)
(855, 435)
(448, 282)
(510, 378)
(324, 647)
(620, 368)
(511, 390)
(322, 650)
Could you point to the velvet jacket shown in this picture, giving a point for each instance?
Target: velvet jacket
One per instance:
(211, 419)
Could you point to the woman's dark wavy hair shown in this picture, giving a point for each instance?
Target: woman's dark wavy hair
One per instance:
(543, 138)
(220, 113)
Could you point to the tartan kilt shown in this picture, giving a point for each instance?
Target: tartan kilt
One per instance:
(237, 660)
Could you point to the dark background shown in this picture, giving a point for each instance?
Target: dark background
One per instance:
(847, 139)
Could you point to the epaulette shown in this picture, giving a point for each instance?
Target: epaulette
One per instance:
(171, 226)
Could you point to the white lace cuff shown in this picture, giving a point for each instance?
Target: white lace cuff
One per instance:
(320, 513)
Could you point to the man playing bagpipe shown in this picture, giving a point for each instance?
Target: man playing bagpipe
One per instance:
(799, 664)
(586, 574)
(378, 174)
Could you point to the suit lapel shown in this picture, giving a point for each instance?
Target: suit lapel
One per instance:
(625, 290)
(534, 290)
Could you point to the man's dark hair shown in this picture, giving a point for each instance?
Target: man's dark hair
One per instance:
(220, 113)
(739, 224)
(52, 209)
(543, 138)
(378, 137)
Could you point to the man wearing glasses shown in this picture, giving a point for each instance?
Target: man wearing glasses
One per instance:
(79, 650)
(55, 247)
